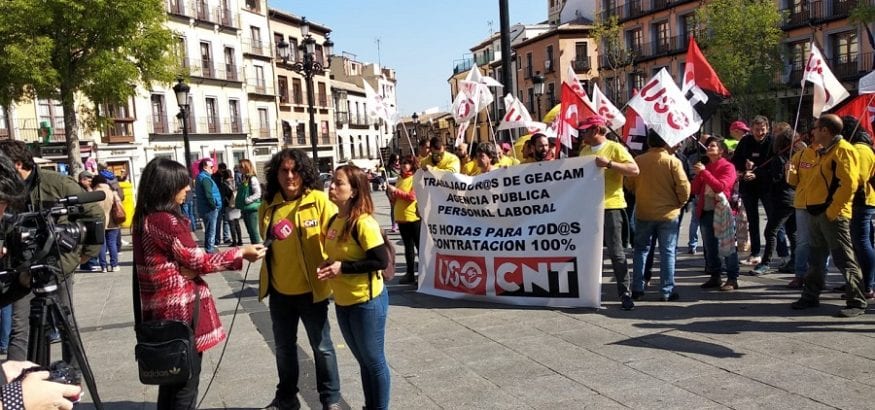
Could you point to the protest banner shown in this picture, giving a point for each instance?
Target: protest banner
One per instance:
(524, 235)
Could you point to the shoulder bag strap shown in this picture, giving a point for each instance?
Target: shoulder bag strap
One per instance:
(268, 257)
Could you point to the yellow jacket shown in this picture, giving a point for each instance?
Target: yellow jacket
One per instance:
(867, 171)
(839, 160)
(297, 256)
(803, 162)
(449, 162)
(664, 189)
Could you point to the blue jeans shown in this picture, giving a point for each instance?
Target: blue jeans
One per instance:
(188, 211)
(364, 328)
(693, 233)
(110, 243)
(861, 228)
(285, 311)
(210, 220)
(667, 234)
(5, 326)
(713, 263)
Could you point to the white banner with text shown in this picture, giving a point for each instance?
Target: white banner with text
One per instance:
(525, 235)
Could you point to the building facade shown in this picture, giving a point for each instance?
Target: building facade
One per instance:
(293, 89)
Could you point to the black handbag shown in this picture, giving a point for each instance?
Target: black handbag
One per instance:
(165, 349)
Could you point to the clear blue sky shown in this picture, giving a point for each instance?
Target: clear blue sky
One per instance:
(420, 39)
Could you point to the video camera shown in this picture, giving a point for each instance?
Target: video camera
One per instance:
(34, 240)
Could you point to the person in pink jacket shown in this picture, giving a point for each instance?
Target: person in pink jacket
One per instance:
(714, 177)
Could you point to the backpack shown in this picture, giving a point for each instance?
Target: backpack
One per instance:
(389, 272)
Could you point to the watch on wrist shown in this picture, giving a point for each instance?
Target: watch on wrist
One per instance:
(610, 164)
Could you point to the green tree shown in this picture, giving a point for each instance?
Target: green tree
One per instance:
(741, 39)
(100, 49)
(608, 35)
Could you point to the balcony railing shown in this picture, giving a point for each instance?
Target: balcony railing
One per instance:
(201, 11)
(121, 131)
(341, 117)
(260, 87)
(160, 125)
(661, 4)
(256, 46)
(842, 7)
(634, 9)
(211, 69)
(196, 124)
(581, 65)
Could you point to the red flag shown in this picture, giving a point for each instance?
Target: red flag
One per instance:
(858, 108)
(701, 85)
(574, 110)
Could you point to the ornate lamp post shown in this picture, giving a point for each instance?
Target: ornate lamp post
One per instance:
(309, 67)
(538, 80)
(181, 89)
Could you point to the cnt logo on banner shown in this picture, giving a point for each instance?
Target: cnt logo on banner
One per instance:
(524, 235)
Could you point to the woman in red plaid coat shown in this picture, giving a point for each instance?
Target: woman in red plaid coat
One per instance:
(169, 265)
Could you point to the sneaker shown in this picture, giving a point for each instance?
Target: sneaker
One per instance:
(851, 311)
(729, 286)
(796, 283)
(760, 269)
(626, 302)
(95, 269)
(637, 295)
(712, 283)
(869, 294)
(278, 404)
(753, 260)
(54, 336)
(103, 269)
(673, 296)
(116, 268)
(803, 303)
(692, 250)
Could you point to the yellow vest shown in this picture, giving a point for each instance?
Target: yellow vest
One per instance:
(295, 259)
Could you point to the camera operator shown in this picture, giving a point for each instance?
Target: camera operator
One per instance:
(44, 188)
(33, 391)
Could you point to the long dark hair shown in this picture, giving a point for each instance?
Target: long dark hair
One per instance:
(361, 203)
(303, 167)
(162, 179)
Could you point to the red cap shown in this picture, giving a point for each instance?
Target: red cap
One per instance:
(739, 125)
(505, 147)
(592, 121)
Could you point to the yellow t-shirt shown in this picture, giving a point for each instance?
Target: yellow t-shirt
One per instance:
(352, 288)
(449, 162)
(470, 168)
(506, 161)
(405, 211)
(613, 151)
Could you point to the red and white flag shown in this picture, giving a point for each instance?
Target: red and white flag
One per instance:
(662, 106)
(574, 110)
(860, 109)
(517, 116)
(604, 107)
(828, 90)
(574, 83)
(460, 133)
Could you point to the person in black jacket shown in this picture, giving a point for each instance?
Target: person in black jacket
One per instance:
(780, 196)
(752, 151)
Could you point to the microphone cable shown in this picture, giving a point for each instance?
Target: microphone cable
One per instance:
(227, 337)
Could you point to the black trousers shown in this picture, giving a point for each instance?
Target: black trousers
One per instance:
(410, 236)
(181, 396)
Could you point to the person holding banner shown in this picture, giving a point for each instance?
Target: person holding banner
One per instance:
(542, 149)
(829, 200)
(659, 201)
(466, 163)
(356, 257)
(864, 203)
(403, 200)
(617, 163)
(486, 158)
(713, 184)
(294, 197)
(438, 158)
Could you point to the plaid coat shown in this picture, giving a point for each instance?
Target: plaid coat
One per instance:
(162, 245)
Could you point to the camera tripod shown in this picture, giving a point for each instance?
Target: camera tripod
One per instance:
(46, 311)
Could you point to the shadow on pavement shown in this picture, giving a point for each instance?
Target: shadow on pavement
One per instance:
(680, 344)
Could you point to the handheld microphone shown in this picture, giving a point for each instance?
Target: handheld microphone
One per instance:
(280, 231)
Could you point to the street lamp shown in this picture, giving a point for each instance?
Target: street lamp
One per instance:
(538, 80)
(309, 67)
(415, 118)
(181, 89)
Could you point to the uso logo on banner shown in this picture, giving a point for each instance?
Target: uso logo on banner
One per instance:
(466, 274)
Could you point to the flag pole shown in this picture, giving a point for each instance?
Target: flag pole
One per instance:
(859, 122)
(798, 110)
(407, 134)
